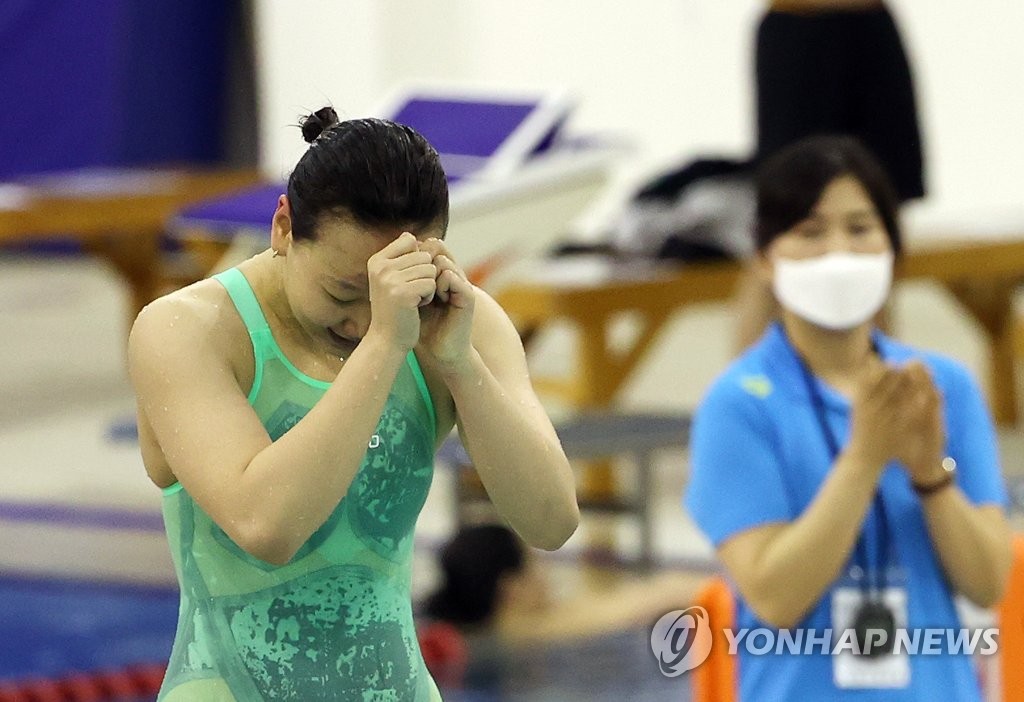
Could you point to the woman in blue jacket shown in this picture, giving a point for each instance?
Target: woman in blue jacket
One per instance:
(849, 483)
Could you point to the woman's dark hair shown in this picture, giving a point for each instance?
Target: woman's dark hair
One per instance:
(380, 173)
(792, 180)
(472, 564)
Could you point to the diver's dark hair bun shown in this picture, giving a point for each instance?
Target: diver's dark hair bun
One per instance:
(317, 123)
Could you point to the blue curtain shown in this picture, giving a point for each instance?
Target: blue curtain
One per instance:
(112, 82)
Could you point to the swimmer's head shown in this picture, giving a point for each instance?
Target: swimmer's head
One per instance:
(381, 175)
(485, 568)
(358, 186)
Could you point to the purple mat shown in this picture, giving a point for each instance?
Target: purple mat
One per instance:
(465, 127)
(225, 215)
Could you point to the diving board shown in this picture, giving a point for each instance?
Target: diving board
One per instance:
(516, 179)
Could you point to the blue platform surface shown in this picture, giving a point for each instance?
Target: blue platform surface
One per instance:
(50, 628)
(252, 207)
(483, 137)
(462, 126)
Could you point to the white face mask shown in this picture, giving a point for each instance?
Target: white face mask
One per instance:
(835, 291)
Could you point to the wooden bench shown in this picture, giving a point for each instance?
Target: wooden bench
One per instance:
(118, 216)
(982, 275)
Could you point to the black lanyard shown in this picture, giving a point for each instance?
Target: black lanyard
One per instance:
(879, 582)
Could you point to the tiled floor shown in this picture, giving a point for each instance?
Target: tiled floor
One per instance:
(75, 500)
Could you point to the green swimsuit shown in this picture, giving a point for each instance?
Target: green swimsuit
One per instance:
(335, 623)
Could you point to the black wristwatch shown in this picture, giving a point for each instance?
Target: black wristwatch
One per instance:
(949, 465)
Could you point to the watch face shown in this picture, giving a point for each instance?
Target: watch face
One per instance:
(874, 616)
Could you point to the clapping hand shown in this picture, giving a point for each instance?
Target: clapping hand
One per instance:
(897, 415)
(922, 451)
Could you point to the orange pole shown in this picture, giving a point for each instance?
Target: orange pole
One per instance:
(715, 679)
(1011, 629)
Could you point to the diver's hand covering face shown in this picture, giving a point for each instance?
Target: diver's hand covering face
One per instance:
(838, 290)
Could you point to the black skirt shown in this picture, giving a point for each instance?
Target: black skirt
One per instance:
(839, 72)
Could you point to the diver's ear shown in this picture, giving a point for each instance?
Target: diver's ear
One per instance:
(281, 227)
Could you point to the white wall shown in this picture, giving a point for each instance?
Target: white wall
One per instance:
(310, 53)
(674, 76)
(968, 59)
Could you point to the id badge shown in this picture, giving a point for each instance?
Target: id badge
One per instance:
(850, 668)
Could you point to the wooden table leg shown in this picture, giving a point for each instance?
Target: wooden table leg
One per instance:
(137, 259)
(205, 252)
(991, 304)
(602, 373)
(595, 385)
